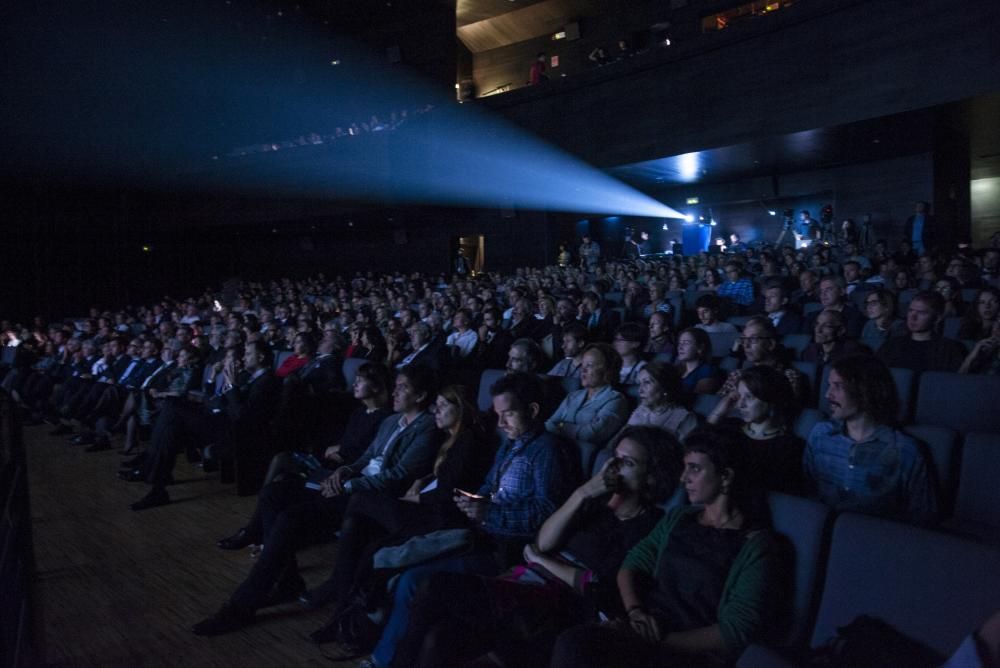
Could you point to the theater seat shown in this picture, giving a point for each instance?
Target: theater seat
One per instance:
(805, 422)
(958, 401)
(722, 342)
(928, 585)
(810, 370)
(350, 369)
(803, 524)
(942, 448)
(977, 504)
(280, 357)
(485, 401)
(796, 342)
(704, 404)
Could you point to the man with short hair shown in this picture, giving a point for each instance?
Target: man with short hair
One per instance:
(463, 339)
(831, 296)
(830, 341)
(524, 356)
(758, 344)
(778, 311)
(574, 340)
(707, 308)
(737, 287)
(494, 341)
(857, 461)
(923, 349)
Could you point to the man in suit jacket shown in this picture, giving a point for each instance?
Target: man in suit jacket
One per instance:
(239, 418)
(403, 450)
(778, 309)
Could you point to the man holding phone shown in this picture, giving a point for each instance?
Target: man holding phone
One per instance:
(532, 474)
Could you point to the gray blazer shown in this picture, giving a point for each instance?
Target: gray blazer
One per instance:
(594, 421)
(407, 458)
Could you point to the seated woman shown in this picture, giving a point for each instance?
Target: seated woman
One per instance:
(373, 346)
(880, 308)
(568, 574)
(627, 342)
(980, 316)
(371, 519)
(661, 337)
(702, 586)
(694, 362)
(949, 288)
(985, 355)
(660, 397)
(765, 403)
(593, 414)
(303, 347)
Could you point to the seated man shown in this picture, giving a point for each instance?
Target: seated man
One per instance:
(857, 462)
(288, 514)
(493, 342)
(923, 349)
(830, 341)
(574, 340)
(532, 474)
(707, 307)
(778, 310)
(737, 287)
(832, 297)
(758, 344)
(241, 418)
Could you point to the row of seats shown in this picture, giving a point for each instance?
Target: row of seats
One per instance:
(936, 590)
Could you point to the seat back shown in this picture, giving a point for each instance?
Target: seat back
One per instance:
(928, 585)
(729, 363)
(796, 342)
(978, 498)
(704, 404)
(951, 327)
(803, 524)
(484, 399)
(805, 422)
(570, 384)
(942, 448)
(280, 357)
(722, 342)
(904, 379)
(350, 369)
(810, 370)
(958, 401)
(811, 307)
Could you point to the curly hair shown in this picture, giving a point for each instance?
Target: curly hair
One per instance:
(663, 461)
(869, 383)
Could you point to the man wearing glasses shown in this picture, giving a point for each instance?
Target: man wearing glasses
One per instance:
(737, 287)
(759, 345)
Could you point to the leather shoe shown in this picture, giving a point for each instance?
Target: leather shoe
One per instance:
(237, 541)
(131, 475)
(226, 620)
(287, 589)
(133, 462)
(156, 497)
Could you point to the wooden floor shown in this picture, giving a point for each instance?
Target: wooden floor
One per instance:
(120, 588)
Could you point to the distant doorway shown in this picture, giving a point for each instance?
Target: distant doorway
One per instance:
(474, 249)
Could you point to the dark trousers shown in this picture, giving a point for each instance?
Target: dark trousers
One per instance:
(288, 517)
(614, 646)
(178, 425)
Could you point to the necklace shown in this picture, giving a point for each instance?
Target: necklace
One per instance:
(636, 513)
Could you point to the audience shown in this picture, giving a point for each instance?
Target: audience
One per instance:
(923, 349)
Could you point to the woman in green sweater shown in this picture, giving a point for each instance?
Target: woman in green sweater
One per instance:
(703, 585)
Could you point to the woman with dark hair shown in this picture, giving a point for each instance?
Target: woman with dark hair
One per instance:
(951, 290)
(660, 401)
(766, 404)
(694, 362)
(373, 346)
(627, 342)
(985, 355)
(702, 585)
(568, 574)
(880, 308)
(980, 316)
(303, 347)
(372, 519)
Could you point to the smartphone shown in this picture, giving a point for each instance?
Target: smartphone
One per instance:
(469, 495)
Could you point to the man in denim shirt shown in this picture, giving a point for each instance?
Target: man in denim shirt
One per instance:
(858, 462)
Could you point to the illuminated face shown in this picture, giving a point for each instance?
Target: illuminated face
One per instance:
(446, 414)
(757, 344)
(513, 418)
(518, 359)
(807, 281)
(944, 289)
(702, 482)
(658, 325)
(752, 410)
(251, 358)
(987, 305)
(851, 273)
(571, 345)
(650, 392)
(404, 397)
(687, 348)
(920, 318)
(826, 329)
(593, 370)
(829, 293)
(629, 466)
(842, 405)
(774, 300)
(363, 388)
(183, 358)
(706, 315)
(873, 307)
